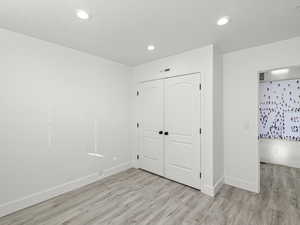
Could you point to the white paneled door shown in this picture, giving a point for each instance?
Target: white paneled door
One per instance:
(182, 124)
(151, 126)
(170, 128)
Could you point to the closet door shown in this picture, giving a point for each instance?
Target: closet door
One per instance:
(151, 126)
(182, 124)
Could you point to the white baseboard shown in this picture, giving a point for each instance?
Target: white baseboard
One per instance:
(239, 183)
(218, 185)
(36, 198)
(116, 169)
(208, 190)
(213, 190)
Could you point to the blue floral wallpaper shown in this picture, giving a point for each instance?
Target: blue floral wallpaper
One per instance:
(279, 110)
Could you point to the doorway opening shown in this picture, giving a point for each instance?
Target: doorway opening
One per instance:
(279, 116)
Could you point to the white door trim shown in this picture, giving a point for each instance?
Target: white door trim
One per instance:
(168, 77)
(200, 125)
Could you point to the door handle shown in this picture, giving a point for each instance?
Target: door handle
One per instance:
(166, 133)
(160, 132)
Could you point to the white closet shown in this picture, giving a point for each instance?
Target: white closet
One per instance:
(169, 128)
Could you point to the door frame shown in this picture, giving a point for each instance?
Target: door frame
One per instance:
(270, 77)
(200, 125)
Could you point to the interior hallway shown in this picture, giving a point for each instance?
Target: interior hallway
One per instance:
(137, 197)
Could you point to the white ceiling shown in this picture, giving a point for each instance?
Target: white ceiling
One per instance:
(121, 29)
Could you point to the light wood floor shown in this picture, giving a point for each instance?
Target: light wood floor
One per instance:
(135, 197)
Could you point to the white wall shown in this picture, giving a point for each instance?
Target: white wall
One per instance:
(198, 60)
(218, 119)
(241, 103)
(57, 104)
(282, 152)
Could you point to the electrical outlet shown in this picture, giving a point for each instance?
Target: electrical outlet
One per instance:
(115, 158)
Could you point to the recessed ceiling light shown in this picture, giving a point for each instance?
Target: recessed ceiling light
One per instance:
(280, 71)
(151, 47)
(223, 20)
(81, 14)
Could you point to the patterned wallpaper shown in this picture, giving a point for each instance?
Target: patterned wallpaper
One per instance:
(279, 110)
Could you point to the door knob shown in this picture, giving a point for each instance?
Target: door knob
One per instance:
(166, 133)
(160, 132)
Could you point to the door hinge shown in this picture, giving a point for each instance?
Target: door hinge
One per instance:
(137, 93)
(137, 157)
(200, 131)
(137, 125)
(200, 175)
(200, 87)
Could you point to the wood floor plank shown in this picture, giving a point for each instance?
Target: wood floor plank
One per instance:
(136, 197)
